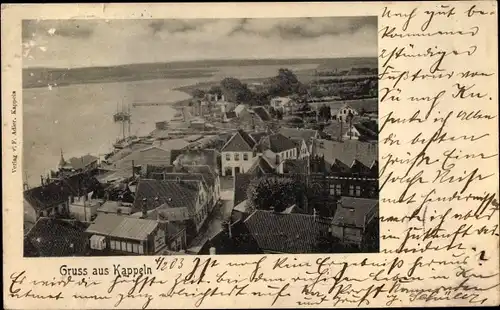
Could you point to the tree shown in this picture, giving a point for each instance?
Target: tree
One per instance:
(272, 193)
(316, 92)
(325, 112)
(279, 114)
(285, 83)
(305, 107)
(234, 90)
(215, 90)
(272, 112)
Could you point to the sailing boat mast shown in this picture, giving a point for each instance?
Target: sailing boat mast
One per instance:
(123, 123)
(129, 121)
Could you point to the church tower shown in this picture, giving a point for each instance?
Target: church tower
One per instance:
(62, 162)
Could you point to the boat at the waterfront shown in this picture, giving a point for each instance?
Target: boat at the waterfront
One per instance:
(125, 118)
(121, 117)
(126, 142)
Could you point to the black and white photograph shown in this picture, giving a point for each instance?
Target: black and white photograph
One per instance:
(200, 136)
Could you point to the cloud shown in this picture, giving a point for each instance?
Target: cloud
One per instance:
(298, 28)
(177, 25)
(64, 28)
(73, 43)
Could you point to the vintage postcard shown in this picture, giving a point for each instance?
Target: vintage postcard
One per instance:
(290, 155)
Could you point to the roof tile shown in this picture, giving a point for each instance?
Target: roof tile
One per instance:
(170, 193)
(284, 233)
(56, 238)
(351, 211)
(276, 143)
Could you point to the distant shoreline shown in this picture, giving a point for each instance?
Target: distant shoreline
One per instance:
(37, 77)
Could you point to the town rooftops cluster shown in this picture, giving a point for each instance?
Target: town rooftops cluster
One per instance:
(51, 193)
(242, 141)
(348, 156)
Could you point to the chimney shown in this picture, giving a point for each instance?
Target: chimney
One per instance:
(84, 194)
(212, 251)
(144, 207)
(42, 180)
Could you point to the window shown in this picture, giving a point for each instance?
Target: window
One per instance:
(338, 189)
(236, 156)
(124, 246)
(228, 156)
(141, 249)
(358, 190)
(372, 192)
(277, 159)
(351, 190)
(135, 248)
(113, 244)
(245, 156)
(129, 247)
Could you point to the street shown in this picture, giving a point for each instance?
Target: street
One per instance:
(213, 224)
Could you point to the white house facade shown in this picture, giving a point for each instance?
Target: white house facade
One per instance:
(343, 112)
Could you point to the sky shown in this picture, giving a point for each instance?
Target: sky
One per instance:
(87, 43)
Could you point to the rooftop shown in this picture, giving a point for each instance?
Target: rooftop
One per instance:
(115, 207)
(241, 183)
(262, 113)
(277, 143)
(262, 165)
(47, 196)
(58, 191)
(122, 226)
(240, 141)
(305, 134)
(347, 151)
(295, 166)
(150, 155)
(201, 173)
(283, 233)
(56, 238)
(187, 157)
(352, 211)
(172, 194)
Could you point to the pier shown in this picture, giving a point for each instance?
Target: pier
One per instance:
(150, 104)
